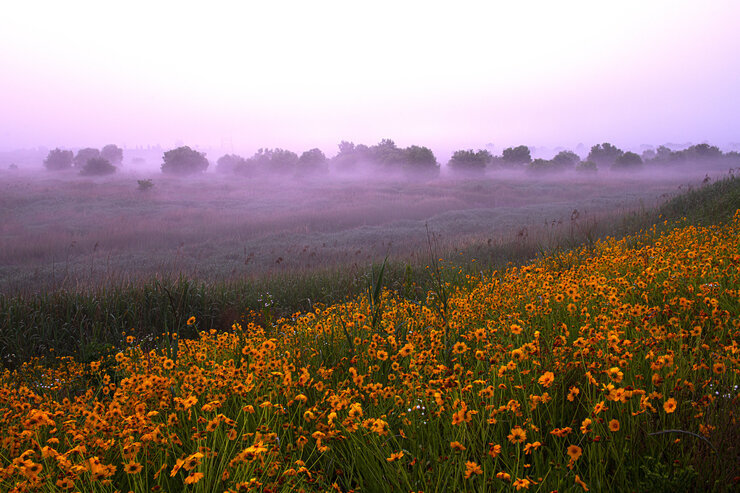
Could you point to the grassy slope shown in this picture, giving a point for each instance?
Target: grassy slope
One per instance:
(88, 324)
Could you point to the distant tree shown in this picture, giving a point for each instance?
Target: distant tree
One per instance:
(350, 156)
(97, 166)
(586, 167)
(282, 161)
(311, 161)
(112, 153)
(604, 154)
(83, 155)
(662, 154)
(418, 159)
(385, 153)
(566, 159)
(469, 161)
(58, 159)
(628, 160)
(542, 166)
(648, 155)
(703, 152)
(517, 155)
(184, 161)
(228, 163)
(145, 185)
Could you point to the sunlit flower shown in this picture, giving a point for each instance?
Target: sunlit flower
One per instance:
(517, 435)
(574, 452)
(472, 468)
(670, 405)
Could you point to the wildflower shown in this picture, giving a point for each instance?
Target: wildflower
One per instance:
(574, 452)
(517, 435)
(472, 468)
(494, 450)
(546, 379)
(191, 321)
(394, 456)
(168, 364)
(193, 477)
(516, 329)
(580, 483)
(382, 355)
(459, 348)
(718, 368)
(521, 483)
(503, 476)
(614, 425)
(584, 425)
(670, 405)
(574, 391)
(528, 448)
(133, 468)
(600, 407)
(457, 446)
(65, 483)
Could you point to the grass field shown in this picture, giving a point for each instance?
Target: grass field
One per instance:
(607, 366)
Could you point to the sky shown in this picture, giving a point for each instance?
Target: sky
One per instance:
(298, 74)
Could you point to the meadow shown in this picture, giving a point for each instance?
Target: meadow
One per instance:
(84, 259)
(607, 366)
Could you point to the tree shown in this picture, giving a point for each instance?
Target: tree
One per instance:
(97, 166)
(628, 160)
(228, 163)
(184, 161)
(58, 159)
(312, 161)
(112, 153)
(604, 154)
(541, 166)
(703, 152)
(83, 155)
(417, 159)
(517, 155)
(566, 159)
(587, 167)
(469, 161)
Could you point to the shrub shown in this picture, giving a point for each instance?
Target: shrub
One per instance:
(58, 160)
(469, 161)
(145, 185)
(83, 155)
(184, 161)
(97, 166)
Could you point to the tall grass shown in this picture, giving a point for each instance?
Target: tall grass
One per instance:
(87, 323)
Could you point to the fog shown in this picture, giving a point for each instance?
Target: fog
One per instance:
(64, 229)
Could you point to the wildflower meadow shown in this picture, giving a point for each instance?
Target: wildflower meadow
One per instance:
(611, 366)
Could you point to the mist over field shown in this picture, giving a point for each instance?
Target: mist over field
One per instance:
(63, 229)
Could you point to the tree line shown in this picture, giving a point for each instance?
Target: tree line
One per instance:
(386, 157)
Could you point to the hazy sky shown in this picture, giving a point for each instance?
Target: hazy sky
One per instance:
(300, 74)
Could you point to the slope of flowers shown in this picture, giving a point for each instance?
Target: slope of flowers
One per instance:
(594, 369)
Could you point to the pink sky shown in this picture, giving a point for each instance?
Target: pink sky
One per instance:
(305, 74)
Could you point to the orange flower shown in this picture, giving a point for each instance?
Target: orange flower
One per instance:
(670, 405)
(516, 329)
(581, 483)
(547, 379)
(521, 483)
(517, 435)
(193, 477)
(459, 348)
(614, 425)
(531, 446)
(191, 321)
(394, 456)
(574, 451)
(382, 355)
(718, 368)
(133, 468)
(494, 450)
(472, 468)
(457, 446)
(503, 476)
(600, 407)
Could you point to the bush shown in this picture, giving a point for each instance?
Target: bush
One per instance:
(83, 155)
(628, 160)
(97, 166)
(112, 153)
(587, 167)
(469, 161)
(228, 163)
(184, 161)
(145, 185)
(58, 160)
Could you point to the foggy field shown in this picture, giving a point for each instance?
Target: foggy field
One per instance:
(63, 230)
